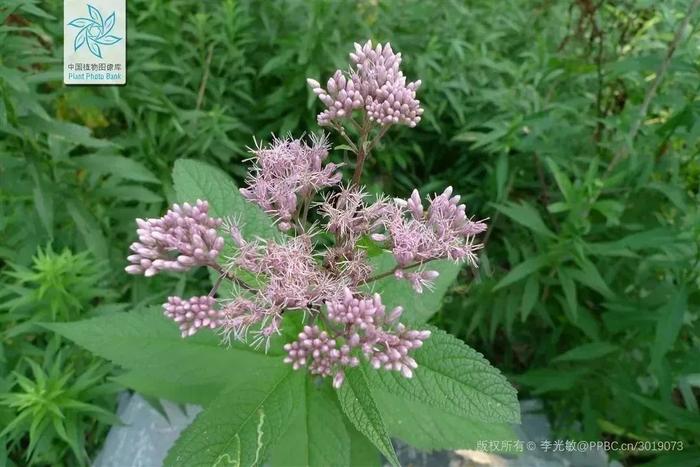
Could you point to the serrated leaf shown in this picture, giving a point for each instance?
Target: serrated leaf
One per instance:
(197, 180)
(148, 342)
(358, 405)
(317, 435)
(589, 351)
(526, 215)
(427, 428)
(453, 377)
(418, 308)
(242, 423)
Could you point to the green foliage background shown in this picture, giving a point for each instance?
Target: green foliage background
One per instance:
(588, 293)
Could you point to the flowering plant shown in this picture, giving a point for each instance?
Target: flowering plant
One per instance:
(321, 292)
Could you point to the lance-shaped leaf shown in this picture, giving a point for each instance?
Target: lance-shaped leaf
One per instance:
(317, 435)
(526, 215)
(243, 423)
(196, 180)
(358, 404)
(455, 378)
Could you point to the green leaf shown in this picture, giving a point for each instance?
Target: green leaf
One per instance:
(522, 270)
(586, 352)
(242, 423)
(133, 193)
(89, 229)
(501, 175)
(543, 380)
(358, 404)
(454, 378)
(317, 435)
(69, 132)
(563, 182)
(362, 451)
(569, 288)
(196, 180)
(648, 239)
(526, 215)
(530, 296)
(669, 324)
(589, 276)
(150, 343)
(678, 416)
(418, 308)
(427, 428)
(176, 389)
(117, 166)
(343, 147)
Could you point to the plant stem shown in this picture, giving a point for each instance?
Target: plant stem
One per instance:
(358, 167)
(305, 213)
(361, 152)
(651, 92)
(213, 290)
(376, 139)
(393, 270)
(345, 136)
(223, 273)
(205, 77)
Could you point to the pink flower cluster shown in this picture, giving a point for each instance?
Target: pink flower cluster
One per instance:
(293, 274)
(356, 323)
(185, 237)
(414, 235)
(286, 170)
(290, 278)
(324, 270)
(193, 314)
(321, 353)
(349, 215)
(374, 83)
(417, 236)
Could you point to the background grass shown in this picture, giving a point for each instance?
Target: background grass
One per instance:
(587, 296)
